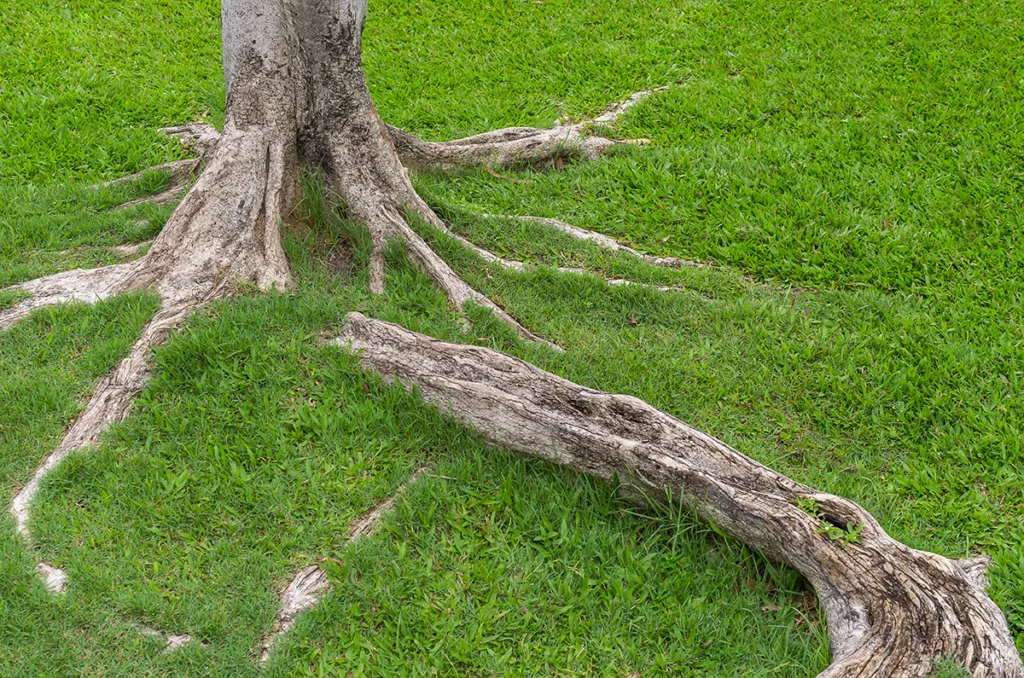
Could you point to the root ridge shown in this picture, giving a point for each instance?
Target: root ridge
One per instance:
(308, 587)
(110, 403)
(515, 145)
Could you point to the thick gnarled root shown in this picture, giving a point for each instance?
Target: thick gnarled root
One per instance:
(891, 611)
(310, 585)
(514, 145)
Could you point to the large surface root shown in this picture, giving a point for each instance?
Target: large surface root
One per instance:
(891, 610)
(110, 403)
(85, 285)
(514, 145)
(310, 585)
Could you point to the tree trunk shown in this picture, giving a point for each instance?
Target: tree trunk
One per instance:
(296, 97)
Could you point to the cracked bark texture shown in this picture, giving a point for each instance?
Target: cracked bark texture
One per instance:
(296, 97)
(891, 610)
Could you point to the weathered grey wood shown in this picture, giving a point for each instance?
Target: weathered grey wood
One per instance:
(891, 610)
(297, 97)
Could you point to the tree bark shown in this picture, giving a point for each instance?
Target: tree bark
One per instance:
(296, 97)
(892, 611)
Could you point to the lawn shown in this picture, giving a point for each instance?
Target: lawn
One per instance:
(855, 171)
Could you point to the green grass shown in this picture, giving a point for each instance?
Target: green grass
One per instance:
(853, 169)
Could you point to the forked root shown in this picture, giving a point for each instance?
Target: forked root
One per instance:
(891, 611)
(109, 404)
(458, 291)
(310, 585)
(377, 207)
(514, 145)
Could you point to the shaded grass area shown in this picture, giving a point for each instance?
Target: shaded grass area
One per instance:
(855, 172)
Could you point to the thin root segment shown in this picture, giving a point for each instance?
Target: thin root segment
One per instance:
(110, 403)
(604, 241)
(197, 137)
(310, 585)
(515, 145)
(514, 265)
(171, 641)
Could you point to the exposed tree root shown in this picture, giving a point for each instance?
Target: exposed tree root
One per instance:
(54, 579)
(891, 610)
(170, 196)
(364, 170)
(604, 242)
(129, 249)
(225, 231)
(109, 404)
(514, 145)
(171, 641)
(296, 97)
(513, 265)
(304, 591)
(179, 171)
(197, 137)
(88, 286)
(310, 585)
